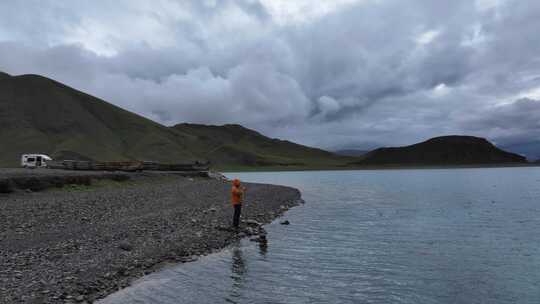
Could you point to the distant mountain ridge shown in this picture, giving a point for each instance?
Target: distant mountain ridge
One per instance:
(444, 150)
(351, 152)
(531, 150)
(235, 144)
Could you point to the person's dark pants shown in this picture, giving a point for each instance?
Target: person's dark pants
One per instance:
(236, 216)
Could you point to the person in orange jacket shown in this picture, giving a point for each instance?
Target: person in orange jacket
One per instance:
(237, 197)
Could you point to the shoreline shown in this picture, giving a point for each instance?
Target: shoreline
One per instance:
(373, 168)
(81, 245)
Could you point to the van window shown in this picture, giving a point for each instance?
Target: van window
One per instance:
(31, 159)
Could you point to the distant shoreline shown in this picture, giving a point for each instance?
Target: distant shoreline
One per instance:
(229, 169)
(371, 167)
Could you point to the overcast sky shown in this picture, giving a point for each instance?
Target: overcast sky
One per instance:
(332, 74)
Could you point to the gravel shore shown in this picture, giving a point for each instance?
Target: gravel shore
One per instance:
(61, 246)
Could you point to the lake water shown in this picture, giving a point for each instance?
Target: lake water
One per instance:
(392, 236)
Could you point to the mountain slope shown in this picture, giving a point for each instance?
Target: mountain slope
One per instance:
(38, 114)
(234, 145)
(445, 150)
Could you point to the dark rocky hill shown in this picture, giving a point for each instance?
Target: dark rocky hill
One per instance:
(445, 150)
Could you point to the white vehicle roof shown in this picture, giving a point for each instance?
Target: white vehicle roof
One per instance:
(45, 157)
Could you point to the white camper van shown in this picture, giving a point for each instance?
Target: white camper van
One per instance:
(34, 160)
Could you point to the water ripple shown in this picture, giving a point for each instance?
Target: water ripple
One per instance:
(397, 236)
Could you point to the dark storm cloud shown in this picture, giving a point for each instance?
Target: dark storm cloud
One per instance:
(372, 72)
(512, 123)
(514, 126)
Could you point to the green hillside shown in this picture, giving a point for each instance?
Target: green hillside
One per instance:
(40, 115)
(232, 146)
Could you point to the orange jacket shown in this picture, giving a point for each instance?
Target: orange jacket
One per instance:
(237, 195)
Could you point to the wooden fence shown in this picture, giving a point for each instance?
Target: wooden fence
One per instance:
(129, 166)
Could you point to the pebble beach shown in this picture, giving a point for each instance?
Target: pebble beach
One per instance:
(76, 246)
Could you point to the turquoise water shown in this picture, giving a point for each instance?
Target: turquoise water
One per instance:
(393, 236)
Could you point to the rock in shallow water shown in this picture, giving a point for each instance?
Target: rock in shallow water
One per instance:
(125, 246)
(252, 223)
